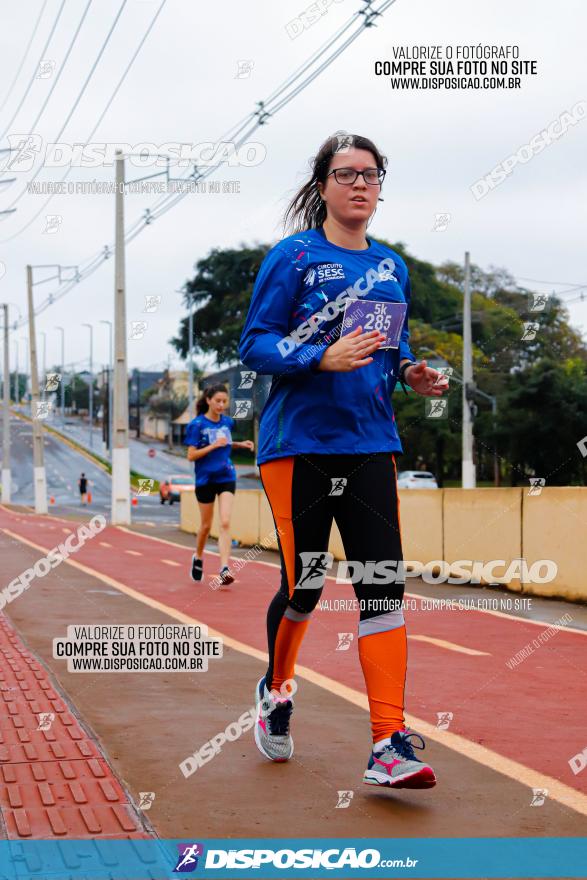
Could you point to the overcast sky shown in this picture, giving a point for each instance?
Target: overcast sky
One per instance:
(184, 88)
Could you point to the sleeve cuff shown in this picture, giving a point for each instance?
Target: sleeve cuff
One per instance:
(314, 362)
(406, 354)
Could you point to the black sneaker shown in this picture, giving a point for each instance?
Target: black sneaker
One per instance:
(225, 576)
(197, 568)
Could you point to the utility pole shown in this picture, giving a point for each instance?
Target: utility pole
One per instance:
(91, 392)
(190, 355)
(495, 455)
(138, 403)
(109, 385)
(40, 480)
(120, 451)
(71, 389)
(468, 478)
(25, 367)
(6, 475)
(62, 375)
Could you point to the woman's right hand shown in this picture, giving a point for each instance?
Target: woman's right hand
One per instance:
(351, 351)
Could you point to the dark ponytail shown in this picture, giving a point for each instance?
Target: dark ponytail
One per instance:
(202, 405)
(307, 210)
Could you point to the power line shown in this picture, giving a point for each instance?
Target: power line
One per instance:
(101, 117)
(565, 283)
(34, 76)
(265, 107)
(580, 298)
(24, 57)
(80, 95)
(259, 115)
(57, 78)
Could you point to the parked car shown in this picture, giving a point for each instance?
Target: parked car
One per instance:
(171, 488)
(416, 480)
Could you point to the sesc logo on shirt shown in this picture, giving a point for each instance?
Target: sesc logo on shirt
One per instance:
(324, 272)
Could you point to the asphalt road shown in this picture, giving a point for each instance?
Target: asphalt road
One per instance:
(64, 466)
(157, 467)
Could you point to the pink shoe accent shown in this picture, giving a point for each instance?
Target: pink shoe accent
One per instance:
(387, 765)
(262, 723)
(423, 778)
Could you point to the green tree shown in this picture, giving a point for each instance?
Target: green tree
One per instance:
(543, 418)
(221, 292)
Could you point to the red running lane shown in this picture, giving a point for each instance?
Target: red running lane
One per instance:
(530, 713)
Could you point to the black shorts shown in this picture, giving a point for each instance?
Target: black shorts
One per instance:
(209, 491)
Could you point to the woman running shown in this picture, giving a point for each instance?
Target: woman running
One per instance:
(328, 439)
(209, 441)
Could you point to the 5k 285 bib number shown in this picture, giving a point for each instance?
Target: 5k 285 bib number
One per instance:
(387, 317)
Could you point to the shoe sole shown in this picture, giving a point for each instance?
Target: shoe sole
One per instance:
(423, 778)
(257, 737)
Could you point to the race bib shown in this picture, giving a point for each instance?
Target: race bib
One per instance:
(214, 433)
(388, 317)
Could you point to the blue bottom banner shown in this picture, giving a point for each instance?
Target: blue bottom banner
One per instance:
(482, 857)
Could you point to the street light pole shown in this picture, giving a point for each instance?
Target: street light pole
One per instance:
(91, 404)
(44, 373)
(62, 374)
(40, 481)
(120, 450)
(6, 475)
(16, 382)
(190, 354)
(467, 465)
(474, 390)
(110, 391)
(25, 366)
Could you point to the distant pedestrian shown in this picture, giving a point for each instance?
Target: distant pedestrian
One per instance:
(83, 488)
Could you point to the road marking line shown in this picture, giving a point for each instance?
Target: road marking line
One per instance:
(133, 552)
(171, 562)
(105, 544)
(450, 646)
(557, 790)
(542, 623)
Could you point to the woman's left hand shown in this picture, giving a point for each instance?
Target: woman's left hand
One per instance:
(248, 444)
(426, 380)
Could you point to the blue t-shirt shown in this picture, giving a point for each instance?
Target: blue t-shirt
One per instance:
(216, 467)
(307, 277)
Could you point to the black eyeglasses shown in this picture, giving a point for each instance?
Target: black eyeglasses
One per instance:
(347, 176)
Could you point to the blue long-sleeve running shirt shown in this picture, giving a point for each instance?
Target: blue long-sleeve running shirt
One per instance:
(296, 311)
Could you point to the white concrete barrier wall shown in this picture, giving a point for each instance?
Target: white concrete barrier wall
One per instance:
(481, 525)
